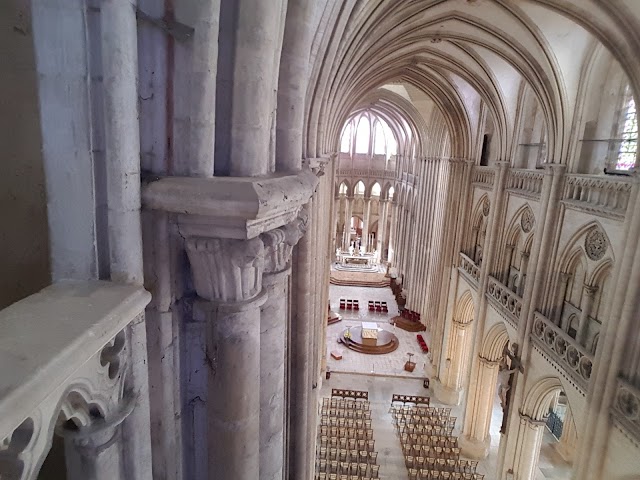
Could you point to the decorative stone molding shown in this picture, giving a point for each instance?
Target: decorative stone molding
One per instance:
(505, 299)
(279, 243)
(595, 244)
(486, 206)
(78, 373)
(226, 270)
(626, 408)
(470, 270)
(604, 196)
(525, 183)
(577, 362)
(527, 220)
(231, 207)
(483, 177)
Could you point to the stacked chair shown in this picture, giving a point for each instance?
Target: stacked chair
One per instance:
(346, 448)
(430, 449)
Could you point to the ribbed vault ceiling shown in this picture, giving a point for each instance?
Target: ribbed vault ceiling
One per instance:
(460, 54)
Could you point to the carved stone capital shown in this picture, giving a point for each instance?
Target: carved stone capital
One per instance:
(279, 244)
(226, 270)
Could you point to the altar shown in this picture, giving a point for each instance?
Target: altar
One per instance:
(356, 259)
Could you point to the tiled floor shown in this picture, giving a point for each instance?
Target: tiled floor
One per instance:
(383, 375)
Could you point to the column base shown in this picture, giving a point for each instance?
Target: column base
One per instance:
(475, 449)
(447, 395)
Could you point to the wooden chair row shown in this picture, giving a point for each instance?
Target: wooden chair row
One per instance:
(420, 411)
(333, 476)
(345, 412)
(349, 304)
(430, 440)
(345, 456)
(427, 451)
(348, 468)
(414, 399)
(355, 394)
(349, 443)
(425, 429)
(424, 474)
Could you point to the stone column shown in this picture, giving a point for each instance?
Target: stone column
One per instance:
(382, 227)
(567, 445)
(365, 223)
(475, 441)
(561, 292)
(347, 220)
(448, 389)
(278, 244)
(528, 448)
(524, 263)
(227, 275)
(301, 444)
(392, 231)
(588, 294)
(94, 452)
(509, 249)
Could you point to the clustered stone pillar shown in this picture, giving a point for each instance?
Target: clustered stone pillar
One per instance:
(228, 279)
(589, 294)
(347, 221)
(278, 244)
(475, 441)
(382, 228)
(365, 223)
(449, 389)
(528, 448)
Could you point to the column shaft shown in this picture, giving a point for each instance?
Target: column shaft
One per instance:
(233, 403)
(527, 448)
(273, 318)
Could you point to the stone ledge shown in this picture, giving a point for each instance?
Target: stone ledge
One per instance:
(231, 207)
(47, 336)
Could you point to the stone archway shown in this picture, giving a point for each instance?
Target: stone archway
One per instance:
(449, 387)
(533, 416)
(475, 440)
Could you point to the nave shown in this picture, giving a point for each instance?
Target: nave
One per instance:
(383, 375)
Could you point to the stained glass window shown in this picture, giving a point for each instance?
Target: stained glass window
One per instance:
(626, 158)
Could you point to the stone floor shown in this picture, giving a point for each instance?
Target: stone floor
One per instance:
(383, 375)
(391, 364)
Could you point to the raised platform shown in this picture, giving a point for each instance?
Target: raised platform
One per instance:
(387, 342)
(408, 325)
(359, 279)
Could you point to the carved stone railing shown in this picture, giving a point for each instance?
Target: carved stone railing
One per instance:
(483, 177)
(526, 183)
(596, 194)
(626, 407)
(505, 299)
(469, 268)
(64, 355)
(366, 173)
(566, 352)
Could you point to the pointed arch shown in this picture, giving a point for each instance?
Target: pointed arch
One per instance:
(538, 400)
(494, 342)
(464, 312)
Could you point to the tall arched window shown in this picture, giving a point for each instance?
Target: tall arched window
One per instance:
(627, 134)
(391, 191)
(359, 188)
(363, 135)
(375, 190)
(343, 189)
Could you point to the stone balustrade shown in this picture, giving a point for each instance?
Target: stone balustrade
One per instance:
(507, 300)
(65, 357)
(483, 177)
(597, 194)
(365, 172)
(469, 267)
(527, 183)
(566, 351)
(626, 407)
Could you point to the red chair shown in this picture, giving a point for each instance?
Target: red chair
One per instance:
(371, 306)
(349, 304)
(356, 305)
